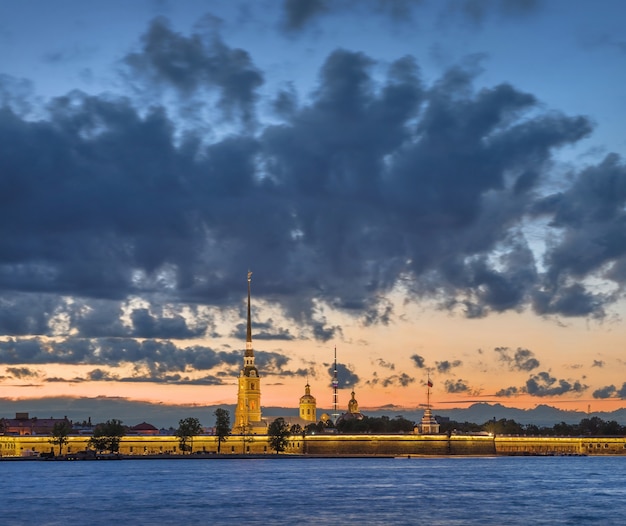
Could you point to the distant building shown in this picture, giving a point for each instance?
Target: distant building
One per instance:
(144, 429)
(428, 425)
(353, 411)
(308, 405)
(23, 425)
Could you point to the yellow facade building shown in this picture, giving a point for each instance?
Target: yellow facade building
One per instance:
(248, 418)
(308, 405)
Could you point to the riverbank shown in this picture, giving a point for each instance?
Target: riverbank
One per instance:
(333, 446)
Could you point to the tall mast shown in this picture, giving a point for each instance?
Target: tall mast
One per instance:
(335, 385)
(249, 351)
(248, 357)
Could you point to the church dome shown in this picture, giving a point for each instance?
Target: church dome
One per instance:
(307, 397)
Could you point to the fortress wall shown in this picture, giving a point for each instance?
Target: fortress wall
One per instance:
(329, 445)
(603, 446)
(472, 445)
(376, 445)
(509, 445)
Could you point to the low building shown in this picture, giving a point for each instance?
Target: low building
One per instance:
(144, 429)
(24, 425)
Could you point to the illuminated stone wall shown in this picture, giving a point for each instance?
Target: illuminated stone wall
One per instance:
(330, 445)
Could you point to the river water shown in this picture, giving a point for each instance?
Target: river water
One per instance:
(440, 491)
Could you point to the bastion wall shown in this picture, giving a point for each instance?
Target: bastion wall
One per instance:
(337, 445)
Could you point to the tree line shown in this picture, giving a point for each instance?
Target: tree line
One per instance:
(592, 426)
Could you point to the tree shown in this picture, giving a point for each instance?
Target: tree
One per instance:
(60, 432)
(107, 436)
(187, 429)
(222, 427)
(278, 435)
(311, 429)
(296, 429)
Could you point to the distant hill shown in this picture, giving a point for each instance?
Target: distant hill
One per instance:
(164, 416)
(542, 415)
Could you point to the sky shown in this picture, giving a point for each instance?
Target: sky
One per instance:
(435, 188)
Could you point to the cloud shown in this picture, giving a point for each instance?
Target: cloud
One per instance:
(195, 63)
(346, 377)
(263, 331)
(521, 360)
(457, 386)
(542, 384)
(157, 355)
(387, 365)
(22, 372)
(298, 14)
(99, 375)
(605, 392)
(590, 214)
(377, 181)
(508, 391)
(446, 366)
(610, 391)
(418, 361)
(402, 380)
(399, 380)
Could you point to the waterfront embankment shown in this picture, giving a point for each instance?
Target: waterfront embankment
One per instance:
(162, 446)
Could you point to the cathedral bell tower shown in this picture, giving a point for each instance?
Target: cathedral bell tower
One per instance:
(308, 405)
(248, 410)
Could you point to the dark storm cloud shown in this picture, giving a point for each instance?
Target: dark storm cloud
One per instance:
(148, 326)
(271, 362)
(35, 314)
(520, 360)
(16, 94)
(543, 384)
(592, 217)
(197, 62)
(26, 314)
(298, 14)
(374, 183)
(263, 331)
(158, 355)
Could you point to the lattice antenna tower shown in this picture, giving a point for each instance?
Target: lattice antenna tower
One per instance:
(335, 414)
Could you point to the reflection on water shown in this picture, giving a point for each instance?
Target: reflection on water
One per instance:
(503, 490)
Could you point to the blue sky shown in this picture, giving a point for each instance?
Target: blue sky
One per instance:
(431, 186)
